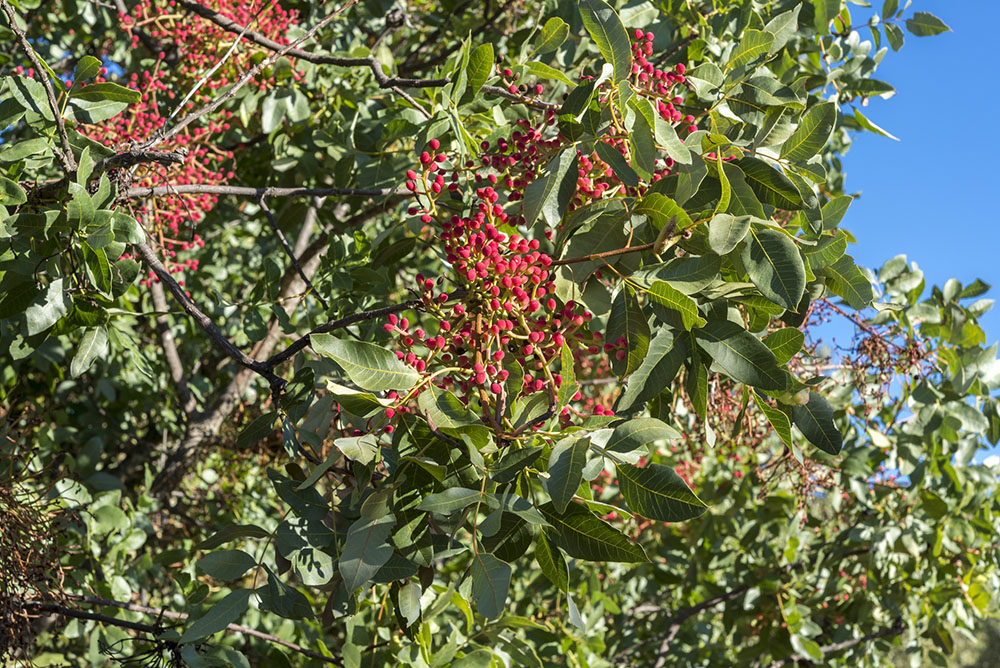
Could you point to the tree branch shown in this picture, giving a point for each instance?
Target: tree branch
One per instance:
(164, 614)
(896, 629)
(165, 134)
(66, 156)
(214, 333)
(262, 201)
(610, 253)
(340, 324)
(383, 80)
(174, 365)
(243, 191)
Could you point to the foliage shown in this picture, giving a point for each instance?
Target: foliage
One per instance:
(473, 334)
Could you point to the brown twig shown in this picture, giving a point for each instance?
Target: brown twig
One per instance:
(165, 134)
(262, 201)
(383, 80)
(244, 191)
(66, 155)
(174, 365)
(610, 253)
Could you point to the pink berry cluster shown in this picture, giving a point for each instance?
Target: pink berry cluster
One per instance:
(500, 304)
(169, 218)
(201, 44)
(660, 84)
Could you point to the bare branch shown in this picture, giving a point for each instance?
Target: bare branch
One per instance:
(163, 135)
(66, 155)
(174, 365)
(214, 333)
(383, 80)
(242, 191)
(610, 253)
(161, 613)
(136, 157)
(361, 316)
(262, 201)
(896, 629)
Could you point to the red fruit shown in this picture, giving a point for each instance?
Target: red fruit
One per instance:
(434, 144)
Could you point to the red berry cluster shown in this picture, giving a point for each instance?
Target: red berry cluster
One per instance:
(201, 44)
(501, 306)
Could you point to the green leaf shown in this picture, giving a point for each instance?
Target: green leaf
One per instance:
(627, 322)
(924, 24)
(450, 500)
(690, 274)
(815, 420)
(775, 266)
(551, 562)
(643, 147)
(895, 35)
(409, 602)
(871, 127)
(490, 583)
(513, 462)
(283, 600)
(658, 369)
(369, 366)
(93, 344)
(826, 11)
(11, 193)
(566, 470)
(725, 190)
(550, 193)
(657, 492)
(785, 343)
(227, 564)
(609, 34)
(674, 299)
(95, 111)
(777, 418)
(366, 549)
(230, 533)
(726, 231)
(106, 91)
(847, 281)
(553, 34)
(660, 210)
(771, 186)
(585, 536)
(256, 431)
(783, 27)
(446, 410)
(86, 68)
(637, 433)
(742, 201)
(221, 615)
(619, 166)
(543, 71)
(753, 44)
(480, 67)
(20, 150)
(31, 95)
(568, 385)
(806, 647)
(826, 252)
(80, 210)
(812, 134)
(48, 308)
(741, 355)
(362, 449)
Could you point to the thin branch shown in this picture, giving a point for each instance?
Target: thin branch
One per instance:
(136, 157)
(383, 80)
(441, 57)
(262, 201)
(66, 157)
(162, 613)
(340, 324)
(242, 191)
(896, 629)
(163, 135)
(174, 365)
(203, 321)
(406, 96)
(610, 253)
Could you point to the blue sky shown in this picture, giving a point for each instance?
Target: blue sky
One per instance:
(932, 195)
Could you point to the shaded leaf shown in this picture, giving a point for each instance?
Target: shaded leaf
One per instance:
(369, 366)
(657, 492)
(815, 420)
